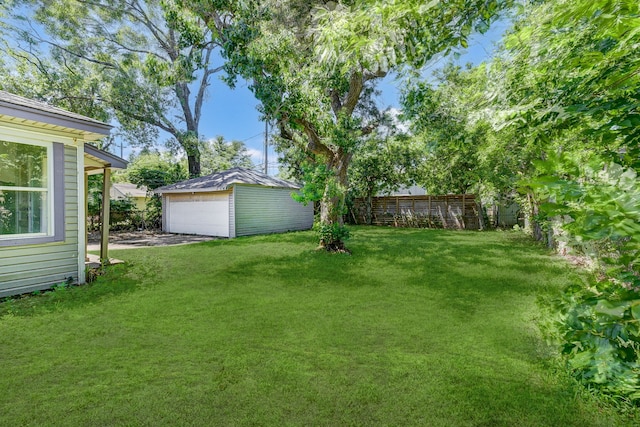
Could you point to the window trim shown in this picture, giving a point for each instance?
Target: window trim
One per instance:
(56, 193)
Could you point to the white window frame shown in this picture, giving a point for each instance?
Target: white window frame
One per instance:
(54, 191)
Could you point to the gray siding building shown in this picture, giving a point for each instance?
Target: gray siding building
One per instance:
(237, 202)
(43, 166)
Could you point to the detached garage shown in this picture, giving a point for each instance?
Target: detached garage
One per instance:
(237, 202)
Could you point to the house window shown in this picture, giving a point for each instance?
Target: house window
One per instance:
(26, 191)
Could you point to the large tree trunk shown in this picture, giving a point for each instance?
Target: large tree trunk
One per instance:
(189, 141)
(332, 208)
(194, 165)
(332, 204)
(191, 137)
(534, 211)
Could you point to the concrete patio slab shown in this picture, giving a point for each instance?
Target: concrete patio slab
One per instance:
(129, 240)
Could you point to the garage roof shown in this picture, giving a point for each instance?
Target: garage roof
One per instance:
(223, 180)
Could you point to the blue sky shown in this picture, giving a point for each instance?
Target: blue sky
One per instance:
(232, 113)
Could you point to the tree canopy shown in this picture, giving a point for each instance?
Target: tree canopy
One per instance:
(313, 66)
(218, 155)
(147, 64)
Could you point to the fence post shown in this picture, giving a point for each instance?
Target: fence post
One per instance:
(481, 224)
(384, 213)
(446, 211)
(464, 225)
(414, 217)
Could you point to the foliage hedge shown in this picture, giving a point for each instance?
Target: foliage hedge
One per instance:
(597, 325)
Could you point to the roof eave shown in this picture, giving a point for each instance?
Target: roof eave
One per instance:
(91, 129)
(110, 160)
(189, 190)
(268, 186)
(214, 189)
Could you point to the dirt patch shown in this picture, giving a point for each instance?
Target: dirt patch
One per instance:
(137, 239)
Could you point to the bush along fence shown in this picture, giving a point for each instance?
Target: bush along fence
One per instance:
(446, 211)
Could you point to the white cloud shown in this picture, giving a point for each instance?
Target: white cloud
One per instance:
(257, 156)
(401, 125)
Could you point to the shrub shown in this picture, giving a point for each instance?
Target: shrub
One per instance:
(332, 236)
(598, 325)
(598, 330)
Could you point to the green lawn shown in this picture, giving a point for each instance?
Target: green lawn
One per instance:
(417, 327)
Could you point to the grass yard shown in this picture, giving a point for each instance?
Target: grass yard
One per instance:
(417, 327)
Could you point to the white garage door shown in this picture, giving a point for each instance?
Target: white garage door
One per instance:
(206, 214)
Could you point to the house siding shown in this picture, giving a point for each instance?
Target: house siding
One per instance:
(262, 210)
(28, 268)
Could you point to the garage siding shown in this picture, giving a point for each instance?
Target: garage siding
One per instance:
(232, 214)
(261, 210)
(30, 267)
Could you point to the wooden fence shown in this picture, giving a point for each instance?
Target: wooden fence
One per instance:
(449, 211)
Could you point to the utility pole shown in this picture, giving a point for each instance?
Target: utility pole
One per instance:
(266, 147)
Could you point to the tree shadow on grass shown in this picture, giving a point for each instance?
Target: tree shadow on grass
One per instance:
(467, 273)
(442, 250)
(462, 264)
(470, 277)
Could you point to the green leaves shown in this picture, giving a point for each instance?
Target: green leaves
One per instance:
(384, 164)
(384, 35)
(599, 203)
(146, 64)
(614, 310)
(319, 181)
(570, 88)
(573, 69)
(600, 333)
(448, 121)
(217, 155)
(602, 199)
(331, 233)
(154, 170)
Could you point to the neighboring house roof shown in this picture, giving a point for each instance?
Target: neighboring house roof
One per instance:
(223, 180)
(19, 109)
(122, 190)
